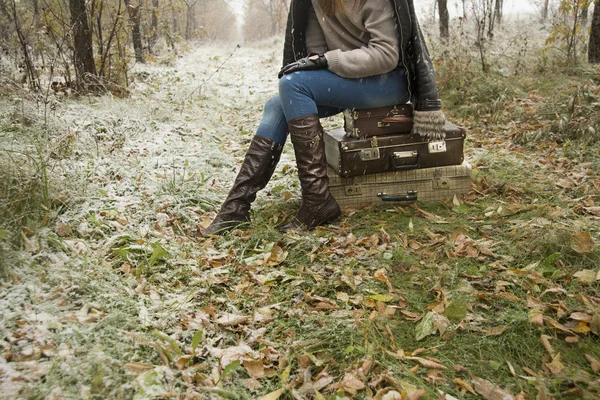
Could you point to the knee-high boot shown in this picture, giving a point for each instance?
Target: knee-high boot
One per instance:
(318, 205)
(256, 171)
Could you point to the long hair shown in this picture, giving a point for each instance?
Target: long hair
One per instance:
(331, 7)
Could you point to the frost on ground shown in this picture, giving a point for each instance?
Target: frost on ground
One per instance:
(148, 169)
(114, 297)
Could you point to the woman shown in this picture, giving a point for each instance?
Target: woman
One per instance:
(338, 54)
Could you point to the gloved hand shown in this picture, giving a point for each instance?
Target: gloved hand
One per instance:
(315, 61)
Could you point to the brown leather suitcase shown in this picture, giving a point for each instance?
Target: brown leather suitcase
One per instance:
(378, 121)
(350, 156)
(401, 187)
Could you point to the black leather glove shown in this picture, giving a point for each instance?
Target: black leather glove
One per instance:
(316, 61)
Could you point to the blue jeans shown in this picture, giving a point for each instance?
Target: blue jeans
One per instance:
(324, 93)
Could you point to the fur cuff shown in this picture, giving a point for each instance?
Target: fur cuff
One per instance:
(430, 124)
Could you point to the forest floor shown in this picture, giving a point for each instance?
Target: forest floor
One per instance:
(108, 294)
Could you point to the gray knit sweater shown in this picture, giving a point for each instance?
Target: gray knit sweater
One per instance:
(357, 44)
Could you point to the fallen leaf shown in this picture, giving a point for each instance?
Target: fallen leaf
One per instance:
(427, 363)
(416, 395)
(555, 324)
(425, 327)
(536, 318)
(595, 323)
(464, 385)
(572, 339)
(235, 353)
(62, 229)
(351, 384)
(556, 366)
(586, 276)
(545, 341)
(384, 298)
(595, 364)
(233, 320)
(582, 243)
(391, 395)
(440, 323)
(341, 296)
(252, 384)
(497, 330)
(137, 367)
(151, 383)
(579, 316)
(255, 369)
(582, 327)
(489, 391)
(456, 311)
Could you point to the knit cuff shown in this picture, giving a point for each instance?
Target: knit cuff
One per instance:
(429, 124)
(333, 60)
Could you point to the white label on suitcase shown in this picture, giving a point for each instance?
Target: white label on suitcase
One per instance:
(437, 147)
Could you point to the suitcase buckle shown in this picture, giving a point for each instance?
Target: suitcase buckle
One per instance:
(437, 147)
(353, 190)
(370, 154)
(383, 124)
(374, 141)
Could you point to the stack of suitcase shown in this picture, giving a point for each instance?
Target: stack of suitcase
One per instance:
(375, 159)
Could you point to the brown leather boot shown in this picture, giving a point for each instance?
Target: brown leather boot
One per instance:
(256, 171)
(318, 205)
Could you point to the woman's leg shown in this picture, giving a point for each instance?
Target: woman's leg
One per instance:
(256, 170)
(304, 92)
(273, 124)
(301, 94)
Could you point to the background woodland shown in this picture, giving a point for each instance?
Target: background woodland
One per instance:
(122, 126)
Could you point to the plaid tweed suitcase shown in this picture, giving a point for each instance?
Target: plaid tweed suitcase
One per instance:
(401, 187)
(350, 156)
(378, 121)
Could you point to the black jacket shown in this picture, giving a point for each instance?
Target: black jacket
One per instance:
(414, 55)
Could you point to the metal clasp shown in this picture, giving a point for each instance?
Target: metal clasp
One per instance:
(370, 154)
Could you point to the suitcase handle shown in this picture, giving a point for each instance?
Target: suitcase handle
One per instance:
(410, 196)
(397, 119)
(397, 167)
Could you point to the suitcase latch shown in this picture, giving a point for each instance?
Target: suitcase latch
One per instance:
(383, 124)
(437, 147)
(374, 141)
(370, 154)
(353, 190)
(441, 183)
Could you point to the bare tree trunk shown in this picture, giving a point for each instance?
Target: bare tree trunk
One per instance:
(36, 12)
(153, 25)
(444, 19)
(488, 10)
(85, 66)
(174, 22)
(99, 35)
(190, 20)
(498, 10)
(11, 15)
(136, 31)
(104, 59)
(594, 47)
(545, 10)
(585, 15)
